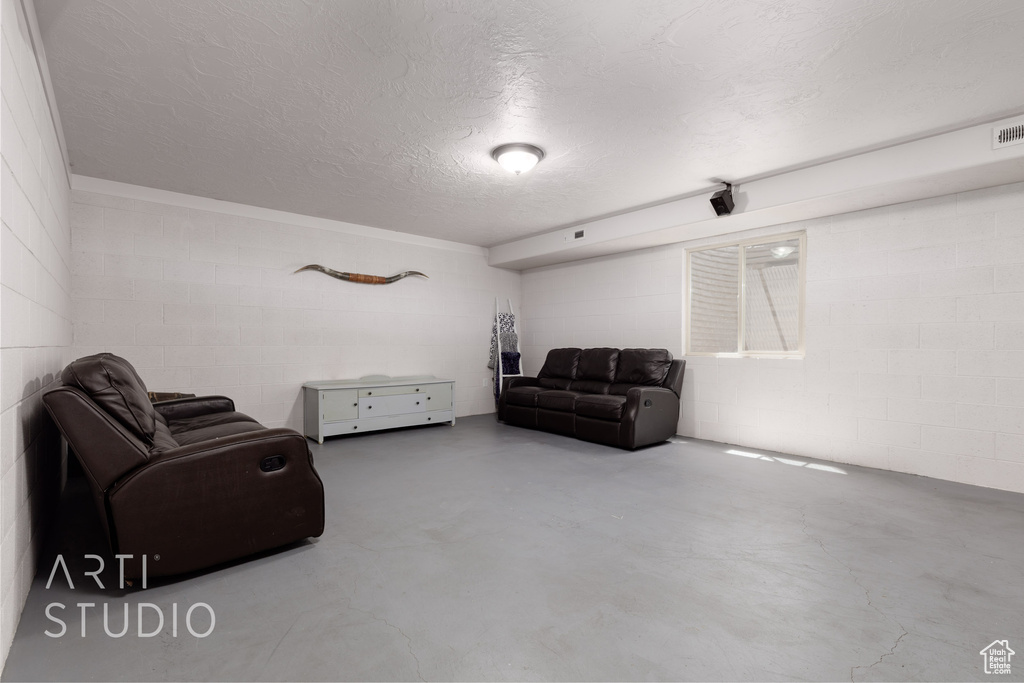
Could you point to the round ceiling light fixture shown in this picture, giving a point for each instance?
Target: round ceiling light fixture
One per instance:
(517, 157)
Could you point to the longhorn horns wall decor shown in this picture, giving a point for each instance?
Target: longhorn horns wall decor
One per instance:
(359, 277)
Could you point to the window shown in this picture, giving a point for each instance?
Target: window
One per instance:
(746, 298)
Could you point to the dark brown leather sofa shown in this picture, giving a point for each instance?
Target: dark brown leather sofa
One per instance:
(626, 398)
(189, 483)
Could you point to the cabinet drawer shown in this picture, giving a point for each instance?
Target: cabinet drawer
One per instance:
(394, 391)
(374, 406)
(339, 404)
(379, 406)
(407, 403)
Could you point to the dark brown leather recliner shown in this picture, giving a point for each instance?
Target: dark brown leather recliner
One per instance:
(189, 483)
(627, 398)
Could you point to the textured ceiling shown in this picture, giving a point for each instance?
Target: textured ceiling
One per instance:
(384, 113)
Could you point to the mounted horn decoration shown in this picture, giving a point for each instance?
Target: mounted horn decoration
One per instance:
(359, 277)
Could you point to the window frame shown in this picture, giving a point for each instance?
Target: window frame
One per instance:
(741, 245)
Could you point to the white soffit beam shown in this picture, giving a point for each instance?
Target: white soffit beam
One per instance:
(943, 164)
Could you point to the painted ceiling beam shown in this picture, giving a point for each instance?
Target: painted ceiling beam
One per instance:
(939, 165)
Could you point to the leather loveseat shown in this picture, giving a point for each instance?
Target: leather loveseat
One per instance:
(189, 483)
(626, 398)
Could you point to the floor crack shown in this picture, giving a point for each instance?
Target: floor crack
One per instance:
(892, 650)
(867, 594)
(408, 644)
(408, 640)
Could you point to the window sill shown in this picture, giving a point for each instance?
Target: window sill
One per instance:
(771, 356)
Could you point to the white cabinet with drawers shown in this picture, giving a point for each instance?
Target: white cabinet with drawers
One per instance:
(338, 407)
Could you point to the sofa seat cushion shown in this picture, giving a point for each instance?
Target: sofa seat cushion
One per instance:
(216, 431)
(556, 399)
(589, 386)
(523, 396)
(211, 426)
(602, 407)
(190, 424)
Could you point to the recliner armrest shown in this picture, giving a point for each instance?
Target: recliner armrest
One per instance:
(182, 408)
(510, 382)
(218, 500)
(636, 396)
(650, 415)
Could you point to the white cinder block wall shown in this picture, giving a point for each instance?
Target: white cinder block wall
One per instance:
(35, 330)
(207, 302)
(915, 339)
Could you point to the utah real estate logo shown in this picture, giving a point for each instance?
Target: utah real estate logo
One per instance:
(997, 657)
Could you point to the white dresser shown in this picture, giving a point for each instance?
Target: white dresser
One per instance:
(338, 407)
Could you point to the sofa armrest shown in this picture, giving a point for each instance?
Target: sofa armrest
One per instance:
(182, 408)
(217, 500)
(651, 415)
(509, 383)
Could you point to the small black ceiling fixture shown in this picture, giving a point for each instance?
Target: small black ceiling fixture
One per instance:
(722, 201)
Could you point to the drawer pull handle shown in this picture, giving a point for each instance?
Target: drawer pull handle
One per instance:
(355, 426)
(428, 419)
(417, 402)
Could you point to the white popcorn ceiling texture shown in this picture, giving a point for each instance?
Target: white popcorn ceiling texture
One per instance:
(384, 113)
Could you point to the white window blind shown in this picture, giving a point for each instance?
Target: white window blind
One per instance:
(746, 298)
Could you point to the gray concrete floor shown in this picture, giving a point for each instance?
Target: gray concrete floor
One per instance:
(487, 552)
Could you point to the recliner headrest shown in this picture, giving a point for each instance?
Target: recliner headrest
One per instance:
(561, 364)
(598, 364)
(112, 383)
(647, 367)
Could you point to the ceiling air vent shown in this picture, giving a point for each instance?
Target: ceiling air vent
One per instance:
(574, 235)
(1008, 133)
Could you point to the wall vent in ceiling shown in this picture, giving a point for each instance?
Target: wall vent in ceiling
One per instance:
(574, 235)
(1008, 133)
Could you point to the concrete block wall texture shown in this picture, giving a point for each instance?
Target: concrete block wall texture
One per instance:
(914, 339)
(35, 330)
(208, 303)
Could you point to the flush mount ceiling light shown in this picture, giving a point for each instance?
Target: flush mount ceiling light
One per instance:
(517, 157)
(782, 251)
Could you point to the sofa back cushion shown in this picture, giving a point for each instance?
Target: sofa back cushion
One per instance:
(645, 367)
(598, 365)
(560, 364)
(112, 383)
(596, 371)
